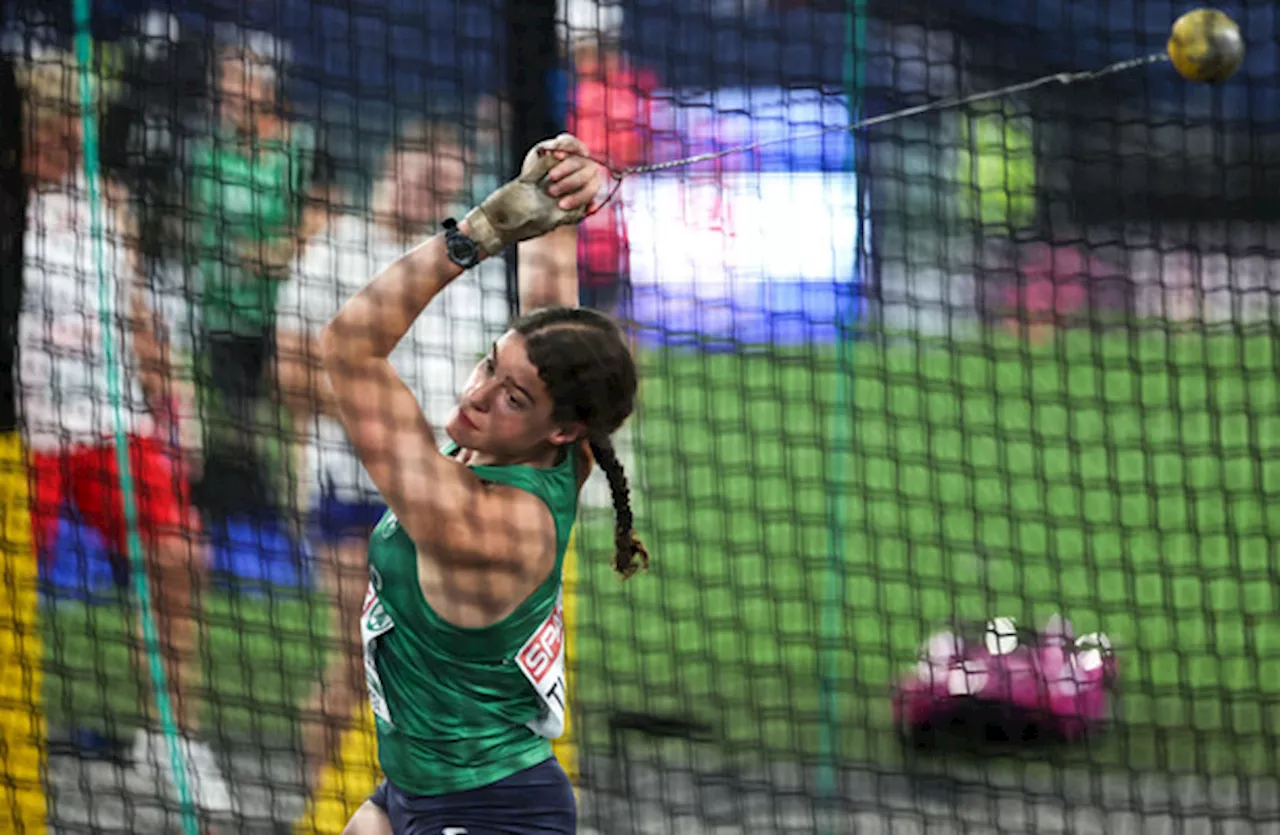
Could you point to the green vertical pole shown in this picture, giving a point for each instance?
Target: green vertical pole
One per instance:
(89, 105)
(833, 586)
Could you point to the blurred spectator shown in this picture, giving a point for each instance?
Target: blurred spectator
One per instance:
(68, 415)
(996, 169)
(609, 110)
(1028, 281)
(486, 167)
(420, 178)
(246, 184)
(1056, 286)
(164, 100)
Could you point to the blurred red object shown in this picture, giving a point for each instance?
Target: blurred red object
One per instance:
(609, 110)
(1061, 286)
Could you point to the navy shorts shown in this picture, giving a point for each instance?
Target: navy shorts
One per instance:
(536, 801)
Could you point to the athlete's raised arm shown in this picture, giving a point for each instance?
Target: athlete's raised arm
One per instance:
(440, 503)
(548, 265)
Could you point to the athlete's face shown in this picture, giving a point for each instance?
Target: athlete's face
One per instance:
(505, 409)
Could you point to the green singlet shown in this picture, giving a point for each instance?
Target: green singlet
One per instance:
(456, 708)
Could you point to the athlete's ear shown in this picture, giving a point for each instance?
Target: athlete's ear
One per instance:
(568, 433)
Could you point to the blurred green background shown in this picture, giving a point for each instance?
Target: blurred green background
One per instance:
(1129, 481)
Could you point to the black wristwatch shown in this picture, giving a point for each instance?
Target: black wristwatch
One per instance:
(462, 250)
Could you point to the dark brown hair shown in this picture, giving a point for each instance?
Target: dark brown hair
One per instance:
(582, 358)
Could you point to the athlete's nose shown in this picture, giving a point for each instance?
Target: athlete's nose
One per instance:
(482, 395)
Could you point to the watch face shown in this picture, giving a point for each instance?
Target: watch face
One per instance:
(461, 251)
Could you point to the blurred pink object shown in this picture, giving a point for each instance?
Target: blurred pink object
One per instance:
(1054, 283)
(1050, 679)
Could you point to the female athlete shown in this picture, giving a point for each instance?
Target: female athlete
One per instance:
(462, 620)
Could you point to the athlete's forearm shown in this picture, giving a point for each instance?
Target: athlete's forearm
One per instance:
(375, 319)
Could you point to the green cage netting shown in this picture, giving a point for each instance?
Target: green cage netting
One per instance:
(1013, 359)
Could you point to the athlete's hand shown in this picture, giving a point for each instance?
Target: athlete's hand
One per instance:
(576, 179)
(555, 187)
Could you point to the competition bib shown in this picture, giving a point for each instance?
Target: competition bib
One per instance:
(541, 659)
(374, 621)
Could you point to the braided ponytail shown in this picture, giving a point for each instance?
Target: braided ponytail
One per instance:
(582, 357)
(626, 544)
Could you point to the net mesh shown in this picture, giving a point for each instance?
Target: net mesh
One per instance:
(1010, 360)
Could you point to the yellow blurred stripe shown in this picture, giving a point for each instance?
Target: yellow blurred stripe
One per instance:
(22, 721)
(344, 784)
